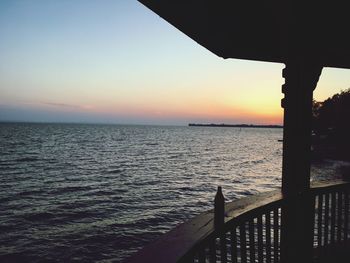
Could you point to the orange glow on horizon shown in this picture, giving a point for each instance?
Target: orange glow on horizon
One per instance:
(213, 114)
(201, 111)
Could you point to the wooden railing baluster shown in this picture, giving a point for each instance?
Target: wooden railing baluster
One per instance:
(326, 219)
(268, 236)
(212, 251)
(243, 242)
(339, 216)
(346, 215)
(260, 240)
(251, 241)
(223, 249)
(201, 255)
(234, 245)
(312, 200)
(275, 235)
(333, 214)
(319, 220)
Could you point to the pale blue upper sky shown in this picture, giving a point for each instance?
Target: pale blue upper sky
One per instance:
(116, 61)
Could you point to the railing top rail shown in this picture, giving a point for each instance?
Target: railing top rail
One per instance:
(325, 185)
(173, 245)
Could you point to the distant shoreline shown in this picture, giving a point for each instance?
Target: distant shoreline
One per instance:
(234, 125)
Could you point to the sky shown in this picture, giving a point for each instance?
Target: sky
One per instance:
(115, 61)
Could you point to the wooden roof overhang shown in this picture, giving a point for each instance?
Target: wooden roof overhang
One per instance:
(264, 30)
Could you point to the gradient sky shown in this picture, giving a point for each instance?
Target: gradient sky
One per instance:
(114, 61)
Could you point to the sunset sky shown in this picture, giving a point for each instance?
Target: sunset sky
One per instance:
(115, 61)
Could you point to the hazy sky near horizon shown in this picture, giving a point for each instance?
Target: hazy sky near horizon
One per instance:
(118, 62)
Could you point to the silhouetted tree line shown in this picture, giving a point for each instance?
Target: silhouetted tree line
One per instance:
(331, 126)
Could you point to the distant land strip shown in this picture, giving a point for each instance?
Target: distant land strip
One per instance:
(234, 125)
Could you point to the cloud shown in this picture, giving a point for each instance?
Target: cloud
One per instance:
(61, 105)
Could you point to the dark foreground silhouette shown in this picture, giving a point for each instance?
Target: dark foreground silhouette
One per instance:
(331, 126)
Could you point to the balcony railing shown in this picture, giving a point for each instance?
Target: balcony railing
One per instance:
(252, 230)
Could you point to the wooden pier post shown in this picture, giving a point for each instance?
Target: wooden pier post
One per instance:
(219, 209)
(301, 77)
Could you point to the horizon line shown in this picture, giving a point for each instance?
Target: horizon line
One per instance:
(138, 124)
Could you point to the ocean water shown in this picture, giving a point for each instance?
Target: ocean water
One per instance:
(85, 193)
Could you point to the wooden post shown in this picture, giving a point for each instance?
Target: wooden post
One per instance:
(301, 77)
(219, 209)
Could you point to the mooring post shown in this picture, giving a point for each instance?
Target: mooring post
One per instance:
(219, 209)
(301, 78)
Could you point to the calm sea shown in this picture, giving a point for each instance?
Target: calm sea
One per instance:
(100, 192)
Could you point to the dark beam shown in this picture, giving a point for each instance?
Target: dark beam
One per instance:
(301, 77)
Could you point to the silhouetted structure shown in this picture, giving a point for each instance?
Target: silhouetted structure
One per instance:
(306, 36)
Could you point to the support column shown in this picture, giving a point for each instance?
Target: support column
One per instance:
(301, 77)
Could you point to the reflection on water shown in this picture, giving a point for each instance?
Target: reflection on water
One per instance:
(94, 192)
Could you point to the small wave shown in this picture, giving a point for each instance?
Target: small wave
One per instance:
(68, 189)
(27, 159)
(5, 199)
(152, 144)
(257, 161)
(245, 192)
(114, 171)
(99, 192)
(186, 189)
(39, 216)
(28, 193)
